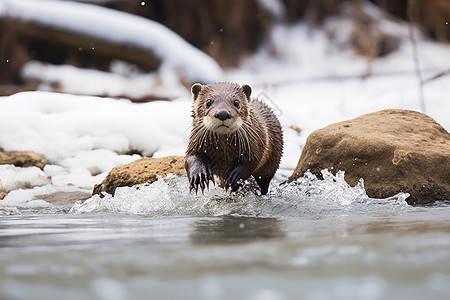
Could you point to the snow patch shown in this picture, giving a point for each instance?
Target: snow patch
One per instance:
(120, 82)
(33, 198)
(118, 27)
(59, 126)
(13, 178)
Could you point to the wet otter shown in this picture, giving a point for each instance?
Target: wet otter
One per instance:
(232, 137)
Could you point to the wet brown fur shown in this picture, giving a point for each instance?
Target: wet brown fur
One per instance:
(254, 149)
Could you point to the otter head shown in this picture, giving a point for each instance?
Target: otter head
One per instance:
(221, 107)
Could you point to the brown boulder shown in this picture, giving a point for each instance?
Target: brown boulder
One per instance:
(140, 171)
(392, 150)
(22, 159)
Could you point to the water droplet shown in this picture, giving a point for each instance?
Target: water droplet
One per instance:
(446, 23)
(217, 147)
(242, 226)
(211, 43)
(7, 61)
(378, 169)
(142, 3)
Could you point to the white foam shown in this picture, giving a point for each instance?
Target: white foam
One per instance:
(169, 197)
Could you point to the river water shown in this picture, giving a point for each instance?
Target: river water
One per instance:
(309, 239)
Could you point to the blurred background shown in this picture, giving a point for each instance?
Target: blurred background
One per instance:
(33, 40)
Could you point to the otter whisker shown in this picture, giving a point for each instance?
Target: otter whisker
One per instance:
(241, 144)
(254, 135)
(249, 129)
(246, 141)
(243, 140)
(201, 135)
(216, 138)
(238, 138)
(204, 137)
(197, 129)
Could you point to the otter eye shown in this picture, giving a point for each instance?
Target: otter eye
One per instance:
(208, 103)
(236, 103)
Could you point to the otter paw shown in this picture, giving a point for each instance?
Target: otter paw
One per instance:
(200, 178)
(232, 177)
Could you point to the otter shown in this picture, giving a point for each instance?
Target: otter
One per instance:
(233, 137)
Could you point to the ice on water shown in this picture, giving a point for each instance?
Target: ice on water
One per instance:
(308, 195)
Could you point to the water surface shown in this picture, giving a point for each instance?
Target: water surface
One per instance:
(306, 240)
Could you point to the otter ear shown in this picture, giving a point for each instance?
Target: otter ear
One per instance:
(195, 89)
(247, 90)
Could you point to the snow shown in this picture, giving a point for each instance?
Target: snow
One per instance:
(274, 7)
(61, 125)
(32, 198)
(83, 137)
(121, 81)
(14, 178)
(311, 82)
(120, 28)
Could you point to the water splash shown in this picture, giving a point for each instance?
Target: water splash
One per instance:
(307, 196)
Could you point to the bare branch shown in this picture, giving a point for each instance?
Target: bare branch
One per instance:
(439, 75)
(416, 54)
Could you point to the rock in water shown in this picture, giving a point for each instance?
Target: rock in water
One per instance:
(22, 159)
(392, 150)
(140, 171)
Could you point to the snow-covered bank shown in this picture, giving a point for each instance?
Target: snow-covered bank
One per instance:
(62, 126)
(299, 53)
(84, 137)
(122, 80)
(117, 27)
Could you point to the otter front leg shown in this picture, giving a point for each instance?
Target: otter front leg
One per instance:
(234, 174)
(199, 173)
(263, 182)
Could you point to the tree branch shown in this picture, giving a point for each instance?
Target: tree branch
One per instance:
(416, 55)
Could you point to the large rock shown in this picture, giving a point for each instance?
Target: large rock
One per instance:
(22, 159)
(140, 171)
(392, 150)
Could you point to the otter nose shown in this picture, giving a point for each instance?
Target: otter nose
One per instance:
(223, 115)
